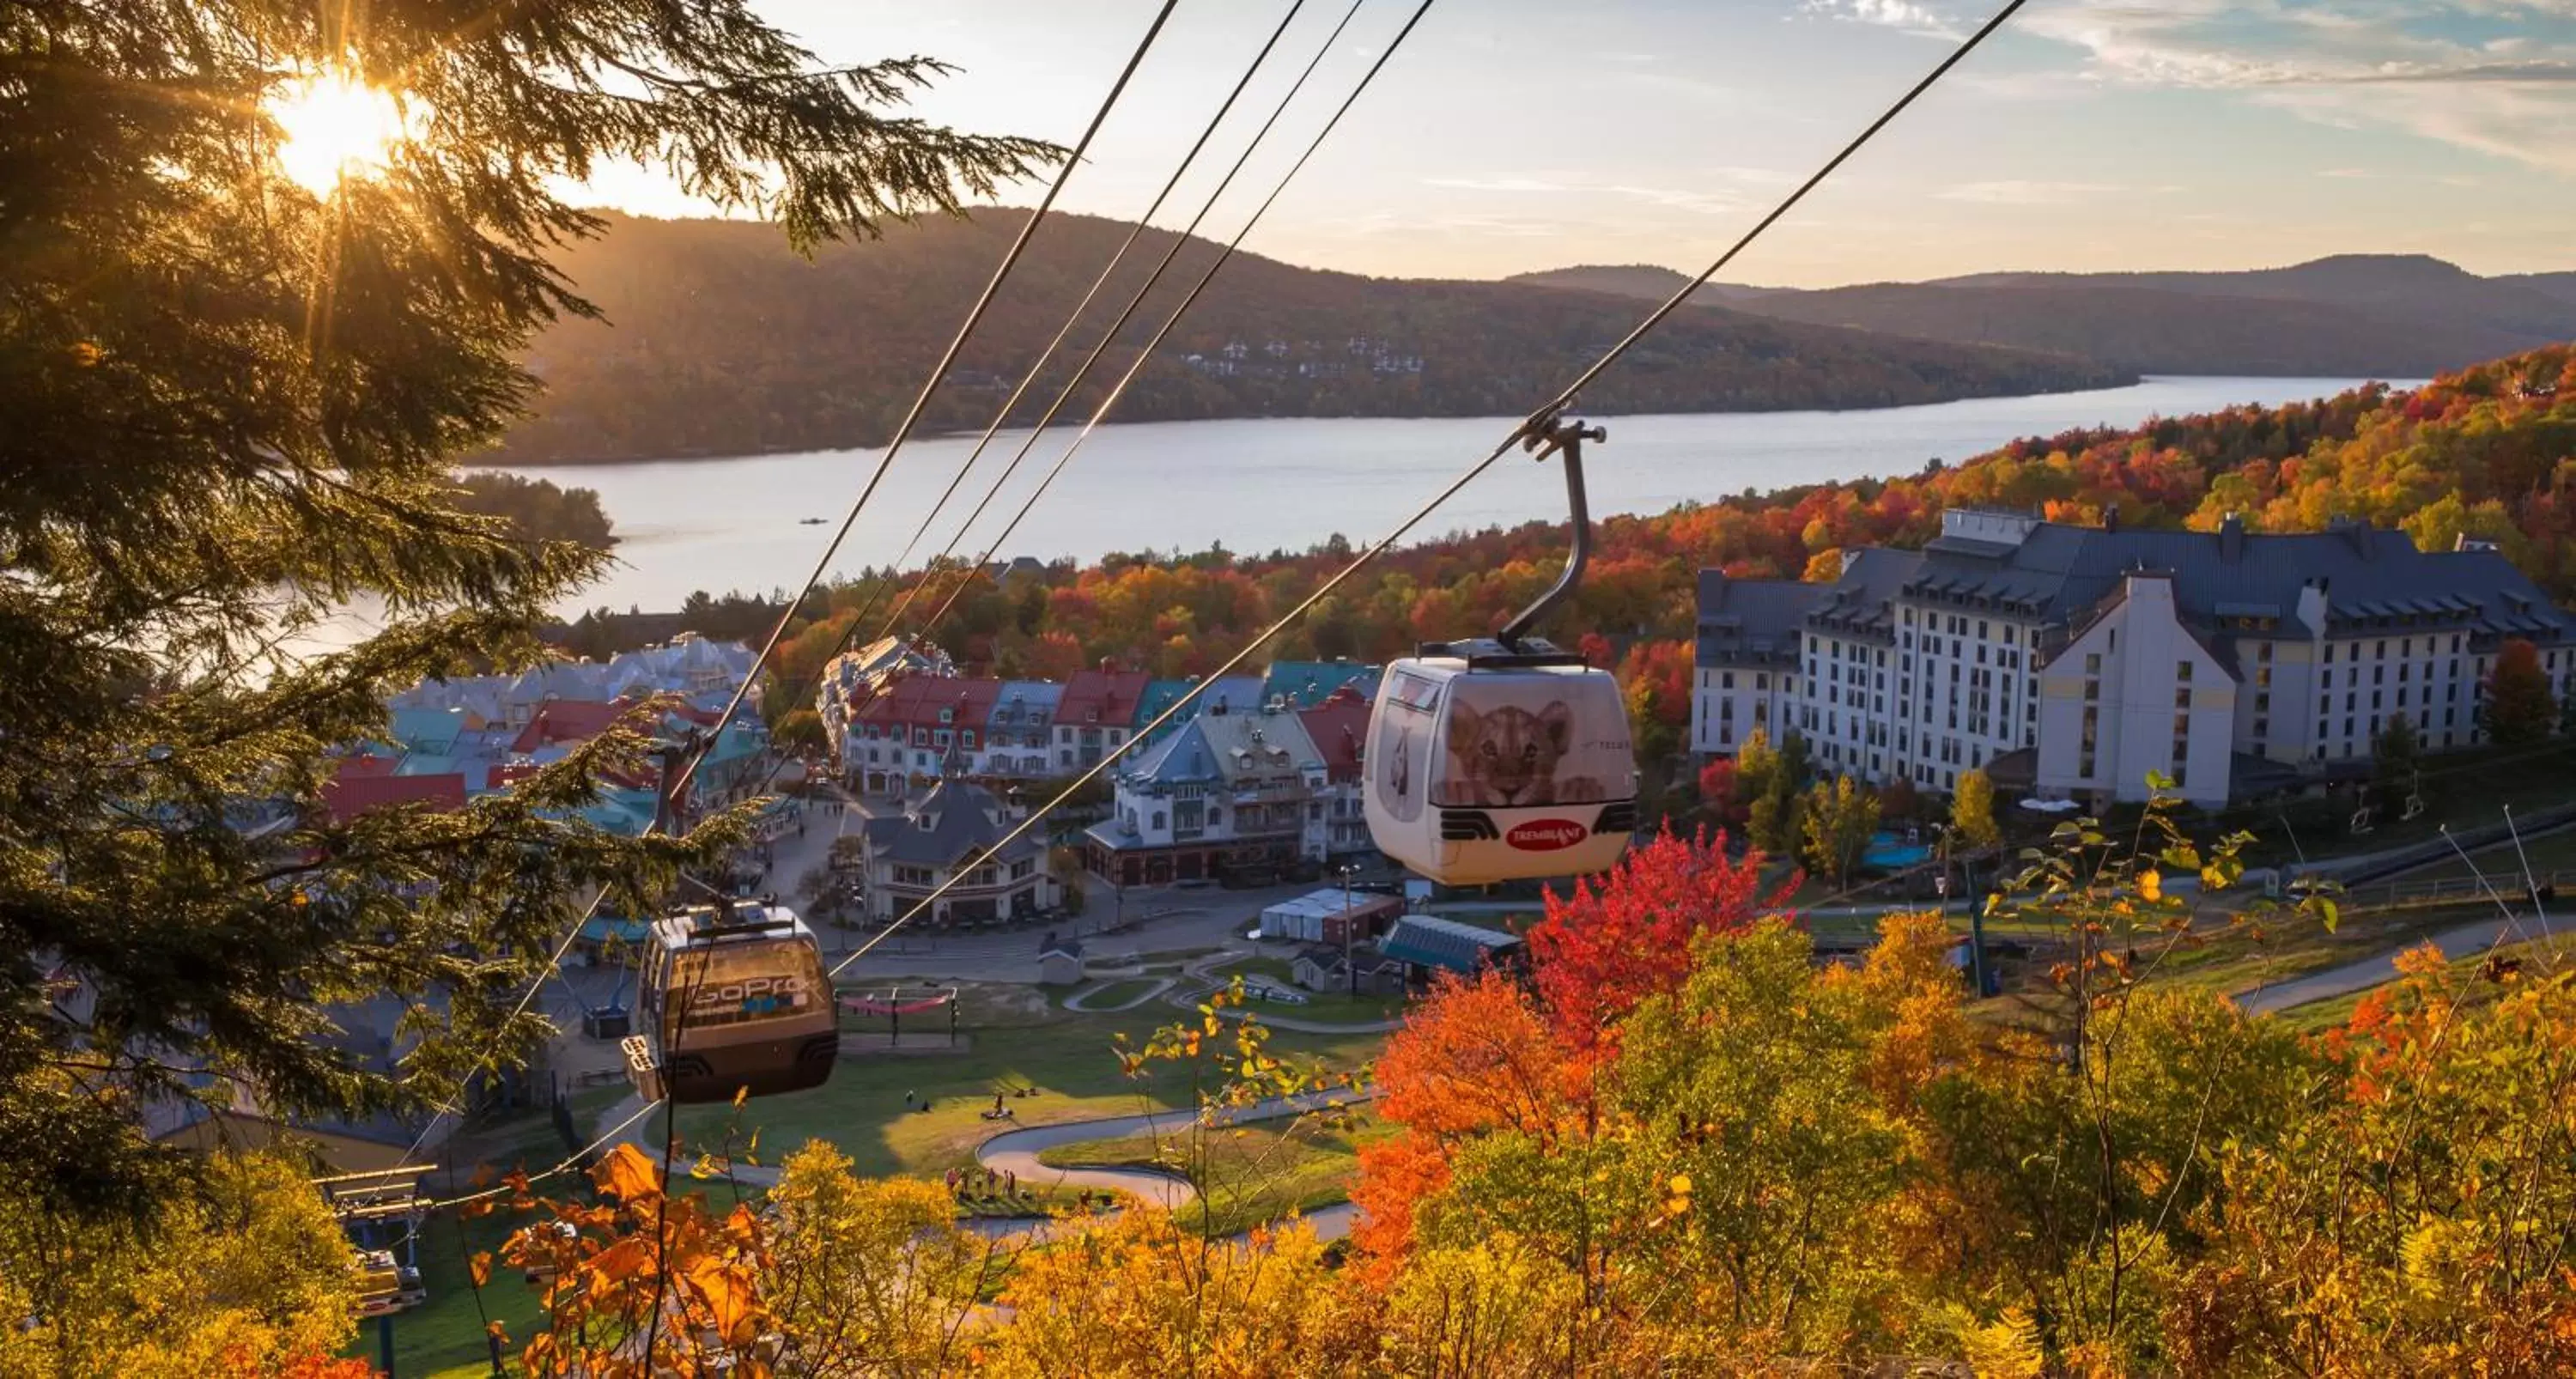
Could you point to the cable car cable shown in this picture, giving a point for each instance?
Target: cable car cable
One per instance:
(1065, 332)
(1529, 428)
(1180, 242)
(912, 418)
(938, 372)
(1064, 395)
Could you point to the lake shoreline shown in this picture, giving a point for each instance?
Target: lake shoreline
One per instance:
(521, 466)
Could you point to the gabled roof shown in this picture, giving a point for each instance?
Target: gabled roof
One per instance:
(1026, 703)
(916, 701)
(1236, 692)
(347, 796)
(955, 818)
(1101, 699)
(1228, 747)
(1339, 729)
(568, 720)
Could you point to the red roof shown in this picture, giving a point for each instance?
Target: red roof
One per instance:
(1339, 726)
(1101, 699)
(349, 795)
(568, 720)
(915, 701)
(369, 764)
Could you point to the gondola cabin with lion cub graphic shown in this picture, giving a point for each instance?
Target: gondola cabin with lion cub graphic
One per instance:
(1480, 775)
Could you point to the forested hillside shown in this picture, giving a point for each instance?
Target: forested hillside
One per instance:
(2385, 314)
(2488, 451)
(720, 341)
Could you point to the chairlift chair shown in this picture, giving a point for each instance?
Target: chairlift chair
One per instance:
(1505, 758)
(734, 998)
(2363, 820)
(2414, 796)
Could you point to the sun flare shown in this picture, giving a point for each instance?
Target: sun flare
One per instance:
(335, 128)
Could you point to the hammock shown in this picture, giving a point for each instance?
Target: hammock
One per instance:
(870, 1005)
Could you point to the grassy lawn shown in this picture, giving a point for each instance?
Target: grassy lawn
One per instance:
(1117, 993)
(444, 1336)
(1249, 1174)
(1065, 1055)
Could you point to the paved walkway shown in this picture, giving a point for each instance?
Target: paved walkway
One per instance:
(1016, 1151)
(2458, 942)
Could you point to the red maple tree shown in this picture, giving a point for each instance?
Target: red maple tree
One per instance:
(1601, 951)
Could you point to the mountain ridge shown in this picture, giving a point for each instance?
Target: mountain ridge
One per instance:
(2345, 314)
(720, 341)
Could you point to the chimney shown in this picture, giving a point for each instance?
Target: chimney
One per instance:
(2110, 517)
(2231, 538)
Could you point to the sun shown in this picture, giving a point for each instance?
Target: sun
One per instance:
(335, 128)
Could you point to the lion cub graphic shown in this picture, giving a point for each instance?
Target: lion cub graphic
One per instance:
(1507, 757)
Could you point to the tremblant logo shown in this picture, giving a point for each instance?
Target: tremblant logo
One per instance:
(1547, 835)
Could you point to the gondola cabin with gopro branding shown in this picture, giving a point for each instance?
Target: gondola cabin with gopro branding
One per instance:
(735, 998)
(1505, 759)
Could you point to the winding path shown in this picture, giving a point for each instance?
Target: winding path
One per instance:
(1016, 1151)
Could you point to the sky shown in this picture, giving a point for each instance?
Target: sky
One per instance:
(1512, 135)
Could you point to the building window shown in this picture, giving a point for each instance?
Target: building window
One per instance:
(2182, 671)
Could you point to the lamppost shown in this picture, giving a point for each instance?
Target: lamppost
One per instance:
(1976, 912)
(1348, 965)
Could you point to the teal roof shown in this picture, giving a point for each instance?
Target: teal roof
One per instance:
(428, 730)
(1237, 692)
(1444, 943)
(1304, 684)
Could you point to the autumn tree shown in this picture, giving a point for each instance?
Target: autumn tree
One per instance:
(243, 1273)
(2519, 710)
(1767, 781)
(1972, 810)
(1717, 791)
(1840, 816)
(1603, 949)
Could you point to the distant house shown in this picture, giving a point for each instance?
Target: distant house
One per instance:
(1060, 963)
(1321, 967)
(907, 732)
(853, 678)
(1019, 736)
(1231, 793)
(1095, 717)
(953, 833)
(1339, 729)
(1428, 945)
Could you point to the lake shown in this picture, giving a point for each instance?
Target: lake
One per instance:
(1257, 486)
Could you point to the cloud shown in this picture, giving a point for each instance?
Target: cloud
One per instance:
(2015, 192)
(1892, 14)
(2438, 70)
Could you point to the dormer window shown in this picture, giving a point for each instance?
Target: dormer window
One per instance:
(947, 715)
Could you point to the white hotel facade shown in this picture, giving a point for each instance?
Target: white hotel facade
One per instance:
(2072, 661)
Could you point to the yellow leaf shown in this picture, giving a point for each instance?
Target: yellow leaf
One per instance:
(1681, 1185)
(741, 1094)
(629, 1174)
(480, 1267)
(2151, 885)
